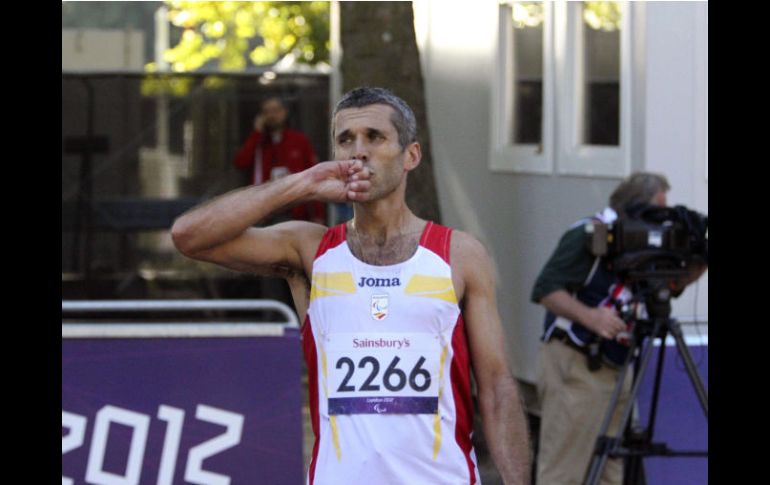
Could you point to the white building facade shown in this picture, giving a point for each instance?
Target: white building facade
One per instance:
(538, 110)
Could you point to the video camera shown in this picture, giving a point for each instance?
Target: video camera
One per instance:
(652, 241)
(649, 250)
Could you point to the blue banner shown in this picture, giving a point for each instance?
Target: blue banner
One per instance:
(680, 422)
(182, 410)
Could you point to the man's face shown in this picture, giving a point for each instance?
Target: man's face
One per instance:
(368, 134)
(274, 113)
(659, 199)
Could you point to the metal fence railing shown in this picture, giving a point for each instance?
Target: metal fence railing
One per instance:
(76, 326)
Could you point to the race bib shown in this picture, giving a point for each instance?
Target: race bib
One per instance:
(383, 373)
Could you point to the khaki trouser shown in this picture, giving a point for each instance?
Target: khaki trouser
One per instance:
(573, 403)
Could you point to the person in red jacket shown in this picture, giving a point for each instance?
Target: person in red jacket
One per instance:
(273, 150)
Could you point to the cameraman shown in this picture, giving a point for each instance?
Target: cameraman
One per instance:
(579, 359)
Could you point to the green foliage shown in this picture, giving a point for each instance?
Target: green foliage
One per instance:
(527, 14)
(238, 34)
(155, 85)
(605, 16)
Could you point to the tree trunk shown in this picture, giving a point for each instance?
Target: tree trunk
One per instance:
(379, 48)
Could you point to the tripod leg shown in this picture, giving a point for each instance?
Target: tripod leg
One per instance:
(604, 444)
(656, 386)
(634, 472)
(692, 371)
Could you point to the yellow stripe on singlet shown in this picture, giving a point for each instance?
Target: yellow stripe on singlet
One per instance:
(332, 284)
(325, 373)
(431, 287)
(335, 437)
(437, 418)
(332, 419)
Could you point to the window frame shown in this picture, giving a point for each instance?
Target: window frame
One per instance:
(575, 157)
(561, 150)
(507, 156)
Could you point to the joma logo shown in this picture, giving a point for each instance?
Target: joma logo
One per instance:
(378, 282)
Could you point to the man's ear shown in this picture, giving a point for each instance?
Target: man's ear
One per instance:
(413, 156)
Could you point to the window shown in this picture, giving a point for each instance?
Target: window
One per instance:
(562, 95)
(594, 122)
(601, 74)
(527, 49)
(522, 125)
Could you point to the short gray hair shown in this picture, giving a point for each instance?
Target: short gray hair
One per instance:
(638, 188)
(403, 118)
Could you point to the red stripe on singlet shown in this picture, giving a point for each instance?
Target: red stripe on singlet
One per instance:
(311, 360)
(333, 237)
(460, 377)
(437, 238)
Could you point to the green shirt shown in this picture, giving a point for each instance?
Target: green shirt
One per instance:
(568, 267)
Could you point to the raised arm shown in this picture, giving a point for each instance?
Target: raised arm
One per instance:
(505, 427)
(221, 231)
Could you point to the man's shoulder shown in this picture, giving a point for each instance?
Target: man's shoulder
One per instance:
(464, 238)
(467, 248)
(472, 264)
(310, 239)
(577, 232)
(452, 245)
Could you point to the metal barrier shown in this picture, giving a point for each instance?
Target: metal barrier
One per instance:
(153, 329)
(176, 402)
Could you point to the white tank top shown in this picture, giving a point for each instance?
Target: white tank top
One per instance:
(389, 369)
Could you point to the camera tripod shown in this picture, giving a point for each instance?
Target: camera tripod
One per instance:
(637, 442)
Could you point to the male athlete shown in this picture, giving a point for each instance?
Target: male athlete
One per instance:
(397, 310)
